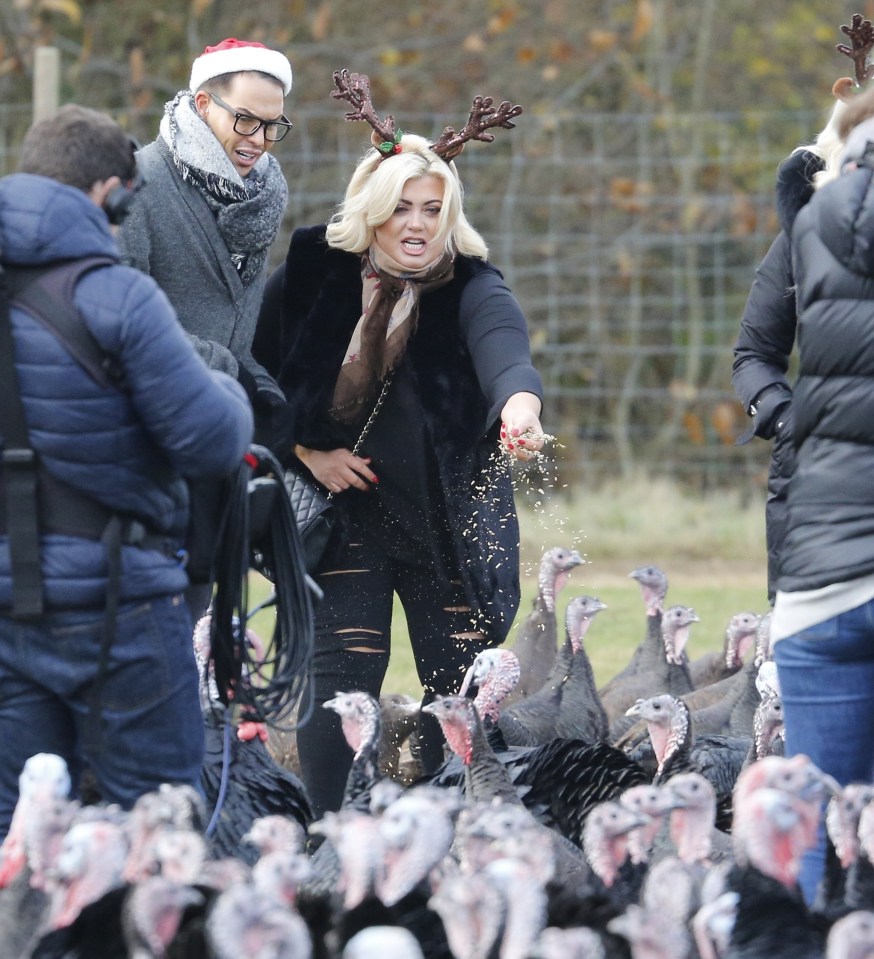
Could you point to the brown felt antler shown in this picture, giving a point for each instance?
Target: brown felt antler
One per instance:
(355, 87)
(861, 34)
(483, 116)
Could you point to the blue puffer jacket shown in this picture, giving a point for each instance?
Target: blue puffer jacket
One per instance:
(127, 449)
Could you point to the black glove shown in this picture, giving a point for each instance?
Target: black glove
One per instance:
(272, 426)
(248, 382)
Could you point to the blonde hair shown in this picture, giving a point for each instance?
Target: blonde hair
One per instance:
(828, 145)
(376, 187)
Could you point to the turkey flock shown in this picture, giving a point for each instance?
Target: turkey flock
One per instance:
(652, 818)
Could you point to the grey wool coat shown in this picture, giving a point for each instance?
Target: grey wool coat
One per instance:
(171, 234)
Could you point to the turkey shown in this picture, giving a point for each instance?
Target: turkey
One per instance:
(663, 669)
(400, 718)
(498, 830)
(244, 922)
(558, 782)
(43, 779)
(42, 815)
(652, 804)
(153, 913)
(692, 820)
(848, 876)
(485, 776)
(240, 779)
(768, 730)
(859, 893)
(775, 804)
(677, 749)
(537, 635)
(361, 721)
(727, 708)
(654, 588)
(382, 942)
(713, 666)
(568, 704)
(852, 937)
(651, 934)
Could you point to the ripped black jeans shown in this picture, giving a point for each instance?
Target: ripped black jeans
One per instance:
(353, 643)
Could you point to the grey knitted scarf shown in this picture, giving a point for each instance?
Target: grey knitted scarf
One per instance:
(248, 210)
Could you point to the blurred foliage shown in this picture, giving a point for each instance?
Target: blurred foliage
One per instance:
(605, 55)
(627, 211)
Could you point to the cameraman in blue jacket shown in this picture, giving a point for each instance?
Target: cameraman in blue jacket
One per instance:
(128, 708)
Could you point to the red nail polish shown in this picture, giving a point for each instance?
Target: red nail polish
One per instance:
(510, 446)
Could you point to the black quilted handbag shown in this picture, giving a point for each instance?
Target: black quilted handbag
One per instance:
(313, 510)
(313, 514)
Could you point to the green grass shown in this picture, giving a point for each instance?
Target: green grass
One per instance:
(711, 547)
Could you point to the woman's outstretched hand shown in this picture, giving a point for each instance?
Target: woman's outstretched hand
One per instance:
(522, 435)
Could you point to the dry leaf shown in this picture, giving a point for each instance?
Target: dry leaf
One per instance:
(643, 19)
(727, 419)
(473, 43)
(502, 20)
(602, 40)
(694, 428)
(320, 24)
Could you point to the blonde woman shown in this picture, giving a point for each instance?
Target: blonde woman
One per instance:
(396, 289)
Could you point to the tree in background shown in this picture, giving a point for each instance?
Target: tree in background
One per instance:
(629, 211)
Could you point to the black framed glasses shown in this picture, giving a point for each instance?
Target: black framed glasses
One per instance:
(247, 125)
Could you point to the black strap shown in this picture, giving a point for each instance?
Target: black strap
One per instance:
(19, 471)
(31, 499)
(46, 293)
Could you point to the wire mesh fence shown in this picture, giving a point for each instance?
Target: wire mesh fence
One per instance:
(630, 241)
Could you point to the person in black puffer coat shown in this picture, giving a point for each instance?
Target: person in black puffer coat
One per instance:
(767, 329)
(823, 622)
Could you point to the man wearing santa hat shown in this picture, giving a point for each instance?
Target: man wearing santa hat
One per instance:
(210, 208)
(213, 202)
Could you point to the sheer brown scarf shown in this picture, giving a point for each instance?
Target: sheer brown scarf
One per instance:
(390, 308)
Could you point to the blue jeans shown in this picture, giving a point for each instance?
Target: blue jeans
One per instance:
(827, 684)
(150, 731)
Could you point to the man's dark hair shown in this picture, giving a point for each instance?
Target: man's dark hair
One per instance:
(79, 147)
(221, 83)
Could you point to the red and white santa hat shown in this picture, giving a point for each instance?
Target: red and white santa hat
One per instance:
(236, 56)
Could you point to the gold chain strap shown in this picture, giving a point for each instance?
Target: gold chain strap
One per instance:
(376, 407)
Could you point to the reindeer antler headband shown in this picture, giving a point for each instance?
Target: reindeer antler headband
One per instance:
(355, 87)
(861, 37)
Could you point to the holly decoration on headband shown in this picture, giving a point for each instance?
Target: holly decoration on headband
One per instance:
(388, 147)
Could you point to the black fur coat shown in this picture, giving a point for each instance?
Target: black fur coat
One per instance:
(468, 355)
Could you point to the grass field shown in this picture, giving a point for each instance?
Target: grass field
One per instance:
(711, 547)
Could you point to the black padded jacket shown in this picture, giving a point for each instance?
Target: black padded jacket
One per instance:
(830, 534)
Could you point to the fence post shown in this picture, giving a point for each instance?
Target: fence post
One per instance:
(46, 82)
